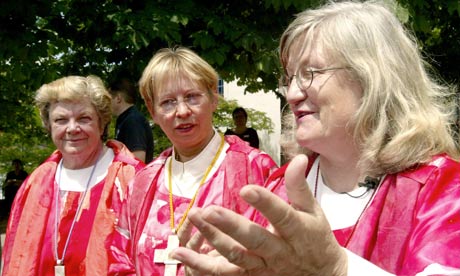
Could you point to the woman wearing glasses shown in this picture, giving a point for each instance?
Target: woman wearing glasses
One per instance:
(202, 168)
(380, 193)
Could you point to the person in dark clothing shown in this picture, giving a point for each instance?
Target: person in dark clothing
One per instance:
(132, 128)
(240, 118)
(13, 181)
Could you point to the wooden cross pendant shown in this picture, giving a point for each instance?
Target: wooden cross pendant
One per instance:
(162, 256)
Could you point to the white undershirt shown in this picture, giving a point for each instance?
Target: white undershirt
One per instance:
(76, 180)
(342, 211)
(187, 175)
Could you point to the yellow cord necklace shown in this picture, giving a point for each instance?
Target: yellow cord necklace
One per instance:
(171, 205)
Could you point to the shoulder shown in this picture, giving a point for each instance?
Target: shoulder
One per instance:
(155, 165)
(238, 145)
(432, 182)
(251, 130)
(229, 132)
(123, 155)
(440, 166)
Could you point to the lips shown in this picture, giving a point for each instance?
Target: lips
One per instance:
(300, 114)
(74, 140)
(184, 126)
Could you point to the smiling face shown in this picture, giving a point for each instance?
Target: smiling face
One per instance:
(76, 132)
(324, 110)
(189, 128)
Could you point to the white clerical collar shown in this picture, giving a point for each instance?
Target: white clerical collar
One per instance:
(187, 175)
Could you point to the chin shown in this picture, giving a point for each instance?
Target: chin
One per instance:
(304, 140)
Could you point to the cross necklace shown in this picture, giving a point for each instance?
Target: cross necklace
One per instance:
(162, 255)
(59, 268)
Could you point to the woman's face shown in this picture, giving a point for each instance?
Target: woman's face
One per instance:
(76, 131)
(323, 111)
(184, 112)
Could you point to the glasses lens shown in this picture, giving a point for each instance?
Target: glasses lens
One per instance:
(305, 78)
(167, 106)
(194, 99)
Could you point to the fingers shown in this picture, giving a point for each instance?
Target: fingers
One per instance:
(195, 242)
(201, 264)
(235, 225)
(185, 232)
(282, 216)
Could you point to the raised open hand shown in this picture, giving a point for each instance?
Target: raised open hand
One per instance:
(300, 242)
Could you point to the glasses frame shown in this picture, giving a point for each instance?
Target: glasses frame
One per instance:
(286, 80)
(202, 94)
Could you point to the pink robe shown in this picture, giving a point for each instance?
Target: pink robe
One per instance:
(148, 215)
(29, 243)
(412, 222)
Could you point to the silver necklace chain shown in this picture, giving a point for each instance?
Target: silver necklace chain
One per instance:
(60, 261)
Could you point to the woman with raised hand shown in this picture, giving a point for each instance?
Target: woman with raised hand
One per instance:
(379, 192)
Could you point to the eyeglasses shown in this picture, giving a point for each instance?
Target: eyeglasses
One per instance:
(169, 105)
(304, 77)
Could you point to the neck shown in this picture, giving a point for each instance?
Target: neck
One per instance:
(340, 177)
(124, 108)
(75, 163)
(240, 129)
(186, 154)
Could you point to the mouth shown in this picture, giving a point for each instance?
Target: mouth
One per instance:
(183, 127)
(300, 114)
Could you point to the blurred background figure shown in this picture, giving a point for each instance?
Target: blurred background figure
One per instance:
(13, 181)
(248, 134)
(132, 128)
(65, 211)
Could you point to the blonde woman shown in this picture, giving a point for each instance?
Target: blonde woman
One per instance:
(65, 212)
(380, 192)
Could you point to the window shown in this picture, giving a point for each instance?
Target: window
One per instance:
(220, 87)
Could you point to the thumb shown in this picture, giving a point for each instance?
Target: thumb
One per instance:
(299, 194)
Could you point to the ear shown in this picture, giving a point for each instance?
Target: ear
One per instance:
(149, 104)
(117, 98)
(214, 100)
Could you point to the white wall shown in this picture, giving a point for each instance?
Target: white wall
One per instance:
(260, 101)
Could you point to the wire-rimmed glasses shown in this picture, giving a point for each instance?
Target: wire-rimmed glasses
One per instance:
(304, 77)
(193, 99)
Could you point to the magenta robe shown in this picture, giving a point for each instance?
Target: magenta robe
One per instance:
(148, 214)
(412, 222)
(29, 243)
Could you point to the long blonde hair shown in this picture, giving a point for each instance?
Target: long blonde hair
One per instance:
(402, 120)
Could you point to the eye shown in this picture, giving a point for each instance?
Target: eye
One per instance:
(85, 119)
(168, 103)
(59, 120)
(193, 98)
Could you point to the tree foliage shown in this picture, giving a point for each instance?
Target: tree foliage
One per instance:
(47, 39)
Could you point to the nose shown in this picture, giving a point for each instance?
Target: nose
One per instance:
(294, 94)
(182, 109)
(73, 126)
